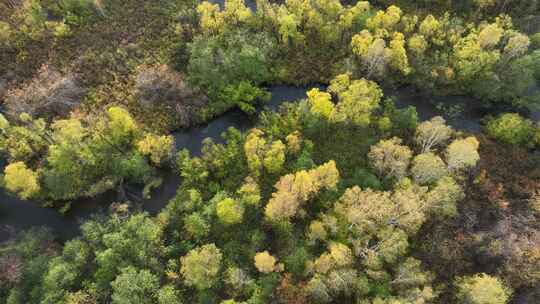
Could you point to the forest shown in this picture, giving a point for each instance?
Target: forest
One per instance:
(269, 151)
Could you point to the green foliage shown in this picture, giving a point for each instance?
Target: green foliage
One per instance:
(80, 157)
(201, 266)
(218, 61)
(132, 286)
(230, 211)
(244, 95)
(299, 210)
(511, 129)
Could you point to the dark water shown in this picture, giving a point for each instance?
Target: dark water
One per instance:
(20, 215)
(17, 215)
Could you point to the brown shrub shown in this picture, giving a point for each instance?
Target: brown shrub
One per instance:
(49, 94)
(160, 86)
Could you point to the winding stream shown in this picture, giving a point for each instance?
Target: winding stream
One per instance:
(16, 214)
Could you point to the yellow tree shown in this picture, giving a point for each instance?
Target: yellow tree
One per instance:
(265, 262)
(357, 99)
(462, 153)
(390, 158)
(21, 180)
(320, 103)
(230, 211)
(295, 189)
(398, 55)
(158, 148)
(482, 289)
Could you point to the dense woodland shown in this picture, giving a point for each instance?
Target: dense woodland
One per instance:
(341, 197)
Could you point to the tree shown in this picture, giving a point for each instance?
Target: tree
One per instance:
(317, 290)
(432, 133)
(390, 158)
(136, 242)
(265, 262)
(320, 103)
(385, 21)
(398, 55)
(196, 226)
(274, 157)
(490, 36)
(430, 27)
(201, 266)
(473, 63)
(428, 168)
(121, 127)
(517, 46)
(253, 148)
(25, 141)
(482, 289)
(261, 154)
(417, 44)
(372, 52)
(134, 286)
(511, 129)
(462, 153)
(168, 294)
(295, 189)
(21, 180)
(236, 56)
(158, 148)
(341, 281)
(317, 231)
(443, 198)
(229, 211)
(250, 193)
(357, 99)
(211, 19)
(341, 254)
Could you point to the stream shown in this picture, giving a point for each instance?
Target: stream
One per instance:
(16, 215)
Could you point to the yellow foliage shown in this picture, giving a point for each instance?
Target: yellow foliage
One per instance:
(295, 189)
(159, 148)
(399, 60)
(211, 20)
(21, 180)
(490, 36)
(321, 103)
(264, 262)
(341, 254)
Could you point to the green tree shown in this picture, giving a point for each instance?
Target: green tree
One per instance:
(428, 168)
(511, 129)
(443, 198)
(274, 157)
(357, 99)
(134, 286)
(230, 211)
(201, 266)
(462, 153)
(168, 294)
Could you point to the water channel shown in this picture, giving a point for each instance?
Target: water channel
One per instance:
(16, 215)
